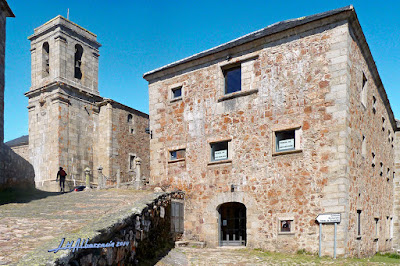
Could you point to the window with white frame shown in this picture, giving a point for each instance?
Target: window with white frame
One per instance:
(176, 93)
(285, 226)
(219, 151)
(287, 140)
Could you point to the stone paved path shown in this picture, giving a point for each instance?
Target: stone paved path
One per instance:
(26, 226)
(230, 256)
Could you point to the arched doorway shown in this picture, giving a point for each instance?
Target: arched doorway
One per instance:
(232, 224)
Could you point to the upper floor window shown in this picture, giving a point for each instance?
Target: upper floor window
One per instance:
(45, 59)
(233, 79)
(130, 117)
(78, 61)
(176, 93)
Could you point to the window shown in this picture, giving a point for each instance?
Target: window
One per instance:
(374, 104)
(45, 59)
(383, 124)
(373, 159)
(177, 154)
(387, 228)
(391, 227)
(176, 93)
(364, 91)
(285, 140)
(285, 226)
(130, 124)
(363, 147)
(376, 228)
(177, 214)
(78, 61)
(130, 117)
(233, 79)
(359, 223)
(132, 163)
(219, 151)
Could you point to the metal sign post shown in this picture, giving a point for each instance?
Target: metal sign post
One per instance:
(328, 218)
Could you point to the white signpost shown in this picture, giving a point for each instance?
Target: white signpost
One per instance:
(328, 218)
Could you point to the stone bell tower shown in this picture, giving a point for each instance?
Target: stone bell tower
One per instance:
(62, 106)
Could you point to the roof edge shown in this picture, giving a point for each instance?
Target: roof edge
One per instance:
(8, 9)
(269, 30)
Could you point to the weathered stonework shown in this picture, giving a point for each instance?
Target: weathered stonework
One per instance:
(70, 124)
(305, 75)
(15, 171)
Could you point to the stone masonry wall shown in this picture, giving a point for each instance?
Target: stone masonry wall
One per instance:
(146, 230)
(288, 82)
(61, 55)
(130, 138)
(61, 129)
(15, 171)
(396, 201)
(22, 151)
(371, 187)
(118, 139)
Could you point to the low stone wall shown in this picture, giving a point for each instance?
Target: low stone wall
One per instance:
(138, 236)
(15, 171)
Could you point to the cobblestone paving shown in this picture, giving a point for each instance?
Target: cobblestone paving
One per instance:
(230, 256)
(26, 226)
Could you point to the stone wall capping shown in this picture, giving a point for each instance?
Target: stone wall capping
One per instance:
(229, 161)
(237, 94)
(177, 160)
(286, 152)
(176, 99)
(218, 139)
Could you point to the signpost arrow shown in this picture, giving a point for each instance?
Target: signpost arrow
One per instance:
(328, 218)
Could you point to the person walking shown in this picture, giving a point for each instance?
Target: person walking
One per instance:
(62, 174)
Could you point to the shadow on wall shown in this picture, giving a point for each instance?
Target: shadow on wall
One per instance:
(15, 171)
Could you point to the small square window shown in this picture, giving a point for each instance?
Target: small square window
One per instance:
(177, 154)
(219, 151)
(285, 140)
(176, 93)
(286, 226)
(233, 79)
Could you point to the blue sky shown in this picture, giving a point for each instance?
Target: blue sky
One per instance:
(139, 36)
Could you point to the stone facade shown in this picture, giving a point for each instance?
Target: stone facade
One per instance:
(396, 204)
(70, 124)
(15, 171)
(303, 76)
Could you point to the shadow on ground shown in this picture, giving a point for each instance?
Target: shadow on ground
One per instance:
(23, 195)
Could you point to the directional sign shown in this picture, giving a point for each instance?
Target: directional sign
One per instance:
(328, 218)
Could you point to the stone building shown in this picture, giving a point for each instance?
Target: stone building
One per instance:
(70, 124)
(268, 131)
(14, 170)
